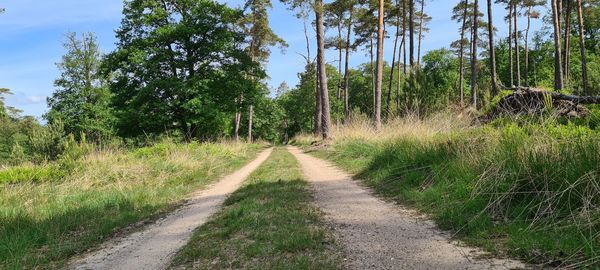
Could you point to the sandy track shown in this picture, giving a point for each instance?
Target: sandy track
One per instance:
(379, 235)
(153, 247)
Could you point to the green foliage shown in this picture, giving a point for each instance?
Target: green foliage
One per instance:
(81, 100)
(180, 66)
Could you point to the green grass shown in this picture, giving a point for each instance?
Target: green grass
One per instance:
(267, 224)
(45, 218)
(530, 191)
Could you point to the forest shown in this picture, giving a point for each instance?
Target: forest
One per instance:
(495, 136)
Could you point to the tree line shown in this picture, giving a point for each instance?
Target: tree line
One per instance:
(195, 68)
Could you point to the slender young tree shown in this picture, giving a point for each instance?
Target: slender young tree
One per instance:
(516, 40)
(558, 73)
(411, 30)
(349, 23)
(584, 71)
(388, 110)
(531, 14)
(510, 40)
(492, 49)
(262, 37)
(568, 10)
(474, 71)
(379, 81)
(424, 19)
(461, 15)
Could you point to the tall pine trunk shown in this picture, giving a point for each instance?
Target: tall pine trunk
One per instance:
(411, 30)
(347, 69)
(584, 73)
(558, 73)
(567, 44)
(379, 81)
(403, 51)
(474, 54)
(388, 110)
(321, 65)
(527, 46)
(461, 57)
(372, 54)
(492, 49)
(420, 31)
(510, 40)
(339, 86)
(516, 39)
(318, 117)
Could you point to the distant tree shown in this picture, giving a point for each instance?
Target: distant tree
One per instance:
(531, 14)
(81, 100)
(3, 109)
(282, 89)
(180, 65)
(261, 39)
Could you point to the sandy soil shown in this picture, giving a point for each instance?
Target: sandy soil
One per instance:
(379, 235)
(153, 247)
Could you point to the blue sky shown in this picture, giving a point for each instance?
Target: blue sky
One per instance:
(32, 31)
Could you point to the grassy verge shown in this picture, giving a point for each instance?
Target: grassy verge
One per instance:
(45, 217)
(530, 191)
(267, 224)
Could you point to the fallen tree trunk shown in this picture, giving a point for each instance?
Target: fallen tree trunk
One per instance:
(533, 101)
(558, 96)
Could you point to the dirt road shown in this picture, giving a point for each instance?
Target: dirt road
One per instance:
(379, 235)
(153, 247)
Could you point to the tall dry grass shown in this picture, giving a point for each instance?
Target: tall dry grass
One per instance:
(528, 186)
(44, 221)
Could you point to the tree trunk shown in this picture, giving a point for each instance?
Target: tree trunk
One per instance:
(582, 48)
(420, 31)
(321, 64)
(474, 54)
(372, 54)
(403, 51)
(558, 74)
(527, 46)
(339, 86)
(347, 70)
(250, 119)
(492, 49)
(238, 119)
(516, 39)
(461, 57)
(411, 30)
(510, 40)
(379, 81)
(318, 117)
(388, 110)
(567, 46)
